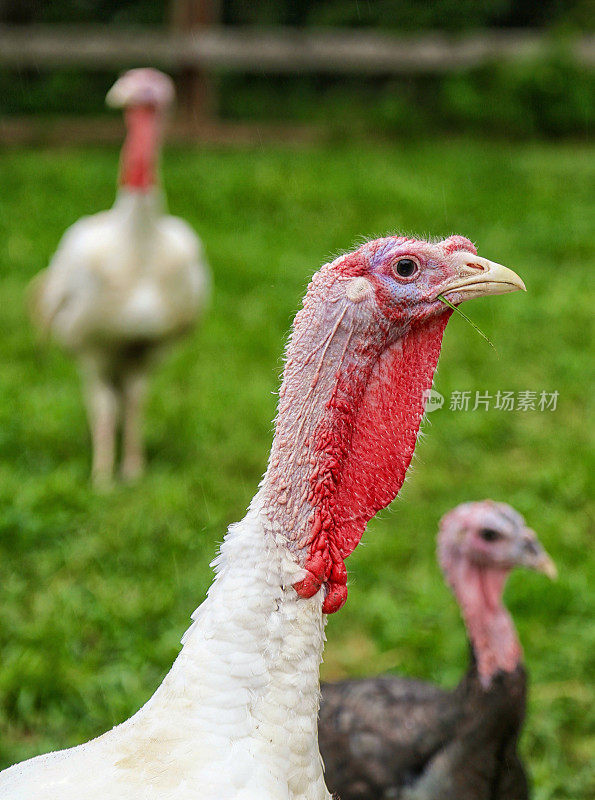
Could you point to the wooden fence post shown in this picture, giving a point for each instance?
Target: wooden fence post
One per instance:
(197, 100)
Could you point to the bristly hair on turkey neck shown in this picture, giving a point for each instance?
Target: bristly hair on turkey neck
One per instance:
(363, 351)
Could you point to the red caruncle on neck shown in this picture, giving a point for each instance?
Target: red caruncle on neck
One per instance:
(349, 416)
(139, 152)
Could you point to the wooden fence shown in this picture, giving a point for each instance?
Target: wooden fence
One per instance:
(192, 55)
(279, 50)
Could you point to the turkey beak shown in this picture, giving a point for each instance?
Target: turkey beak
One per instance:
(478, 277)
(547, 566)
(533, 556)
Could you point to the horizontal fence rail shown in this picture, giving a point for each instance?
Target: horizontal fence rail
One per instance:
(279, 50)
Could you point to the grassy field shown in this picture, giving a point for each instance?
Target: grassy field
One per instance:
(96, 591)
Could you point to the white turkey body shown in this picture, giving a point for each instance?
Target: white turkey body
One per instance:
(124, 282)
(124, 276)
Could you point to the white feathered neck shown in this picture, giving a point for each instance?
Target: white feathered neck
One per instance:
(138, 210)
(246, 680)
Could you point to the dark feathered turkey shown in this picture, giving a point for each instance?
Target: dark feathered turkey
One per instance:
(392, 738)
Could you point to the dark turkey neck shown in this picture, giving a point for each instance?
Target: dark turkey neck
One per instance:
(138, 163)
(491, 630)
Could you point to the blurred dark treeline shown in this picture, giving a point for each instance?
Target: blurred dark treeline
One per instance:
(405, 15)
(546, 96)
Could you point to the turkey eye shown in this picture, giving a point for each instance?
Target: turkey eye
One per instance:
(489, 535)
(406, 267)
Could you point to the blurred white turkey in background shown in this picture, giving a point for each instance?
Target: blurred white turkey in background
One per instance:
(124, 282)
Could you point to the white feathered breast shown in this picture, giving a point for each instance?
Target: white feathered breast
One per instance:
(109, 282)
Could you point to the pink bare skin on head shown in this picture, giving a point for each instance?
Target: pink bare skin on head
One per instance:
(145, 94)
(364, 349)
(478, 545)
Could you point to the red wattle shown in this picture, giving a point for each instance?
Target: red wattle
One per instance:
(335, 598)
(139, 152)
(308, 586)
(365, 445)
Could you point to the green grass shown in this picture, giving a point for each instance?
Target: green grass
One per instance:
(96, 591)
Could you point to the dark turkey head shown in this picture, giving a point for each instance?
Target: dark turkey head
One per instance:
(491, 535)
(478, 545)
(142, 87)
(362, 353)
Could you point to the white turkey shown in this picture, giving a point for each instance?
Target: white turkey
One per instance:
(124, 282)
(236, 716)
